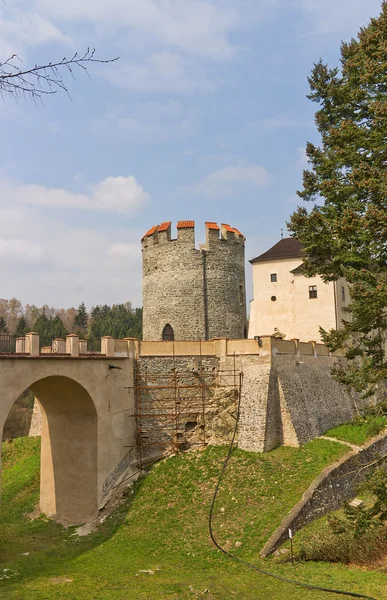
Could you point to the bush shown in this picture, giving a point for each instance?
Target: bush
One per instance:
(343, 547)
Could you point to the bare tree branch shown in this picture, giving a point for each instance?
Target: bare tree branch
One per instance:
(41, 80)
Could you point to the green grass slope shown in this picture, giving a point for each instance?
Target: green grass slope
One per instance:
(156, 545)
(360, 430)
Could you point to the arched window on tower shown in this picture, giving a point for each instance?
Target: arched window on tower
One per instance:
(168, 334)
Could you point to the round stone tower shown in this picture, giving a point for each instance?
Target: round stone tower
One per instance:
(190, 293)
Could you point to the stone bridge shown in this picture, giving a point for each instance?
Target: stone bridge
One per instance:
(86, 402)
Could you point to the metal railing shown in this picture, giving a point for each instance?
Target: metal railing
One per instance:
(12, 344)
(92, 345)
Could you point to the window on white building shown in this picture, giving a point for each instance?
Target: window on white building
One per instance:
(343, 293)
(273, 277)
(313, 291)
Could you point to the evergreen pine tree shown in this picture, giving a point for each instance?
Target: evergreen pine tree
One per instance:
(42, 326)
(345, 233)
(80, 319)
(58, 330)
(3, 326)
(22, 326)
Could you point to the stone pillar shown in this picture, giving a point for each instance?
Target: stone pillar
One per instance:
(32, 343)
(107, 345)
(72, 344)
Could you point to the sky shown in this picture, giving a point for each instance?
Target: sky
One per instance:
(204, 117)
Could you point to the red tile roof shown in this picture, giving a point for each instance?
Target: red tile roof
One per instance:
(228, 228)
(238, 232)
(185, 224)
(212, 225)
(151, 231)
(165, 226)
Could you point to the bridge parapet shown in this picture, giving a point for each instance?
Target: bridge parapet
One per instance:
(33, 345)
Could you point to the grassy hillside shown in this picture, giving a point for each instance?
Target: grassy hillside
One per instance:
(156, 546)
(360, 430)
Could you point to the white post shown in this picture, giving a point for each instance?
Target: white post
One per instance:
(72, 344)
(32, 343)
(107, 345)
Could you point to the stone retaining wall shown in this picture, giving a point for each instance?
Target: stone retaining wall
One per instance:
(329, 490)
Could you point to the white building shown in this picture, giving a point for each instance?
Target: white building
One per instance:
(287, 302)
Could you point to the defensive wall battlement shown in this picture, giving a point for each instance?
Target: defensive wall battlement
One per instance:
(160, 234)
(193, 293)
(264, 347)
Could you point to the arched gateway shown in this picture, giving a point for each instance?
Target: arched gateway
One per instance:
(86, 427)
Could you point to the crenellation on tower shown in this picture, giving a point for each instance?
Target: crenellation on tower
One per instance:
(186, 232)
(212, 234)
(164, 232)
(195, 293)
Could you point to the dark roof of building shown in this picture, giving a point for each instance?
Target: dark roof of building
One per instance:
(285, 248)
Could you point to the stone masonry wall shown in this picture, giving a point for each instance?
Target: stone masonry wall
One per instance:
(311, 399)
(289, 399)
(172, 288)
(200, 293)
(225, 284)
(183, 403)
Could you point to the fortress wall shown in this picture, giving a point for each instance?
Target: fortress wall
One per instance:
(312, 400)
(288, 395)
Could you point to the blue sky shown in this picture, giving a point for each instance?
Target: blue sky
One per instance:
(203, 117)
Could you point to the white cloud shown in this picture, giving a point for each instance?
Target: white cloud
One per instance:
(19, 250)
(47, 261)
(21, 28)
(197, 26)
(224, 181)
(121, 195)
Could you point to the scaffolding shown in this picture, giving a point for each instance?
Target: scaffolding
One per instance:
(174, 409)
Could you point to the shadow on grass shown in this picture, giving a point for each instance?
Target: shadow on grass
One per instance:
(41, 547)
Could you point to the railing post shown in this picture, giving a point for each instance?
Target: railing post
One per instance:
(32, 343)
(72, 344)
(107, 345)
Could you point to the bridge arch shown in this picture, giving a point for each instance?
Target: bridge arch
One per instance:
(69, 449)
